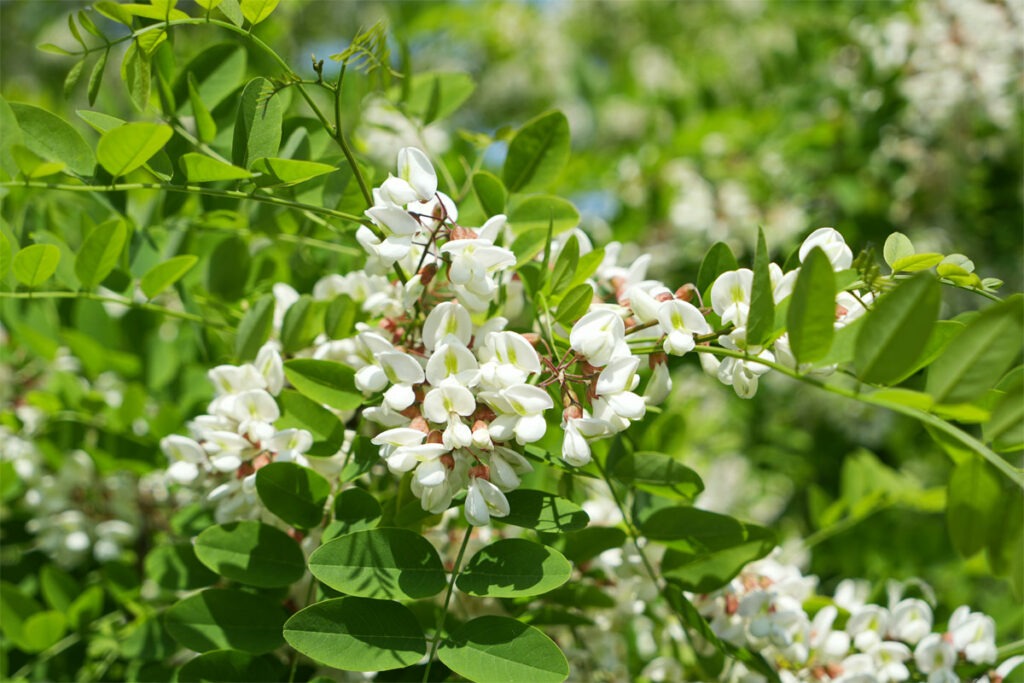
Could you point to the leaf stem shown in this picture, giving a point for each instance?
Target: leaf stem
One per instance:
(447, 601)
(91, 296)
(192, 189)
(874, 399)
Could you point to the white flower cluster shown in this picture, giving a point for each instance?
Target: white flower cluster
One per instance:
(76, 512)
(763, 609)
(237, 436)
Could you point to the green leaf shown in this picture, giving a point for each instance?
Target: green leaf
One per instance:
(514, 567)
(718, 260)
(528, 244)
(59, 588)
(657, 473)
(15, 610)
(200, 168)
(544, 512)
(71, 80)
(445, 90)
(43, 630)
(176, 568)
(537, 153)
(212, 75)
(341, 317)
(303, 321)
(154, 11)
(896, 330)
(99, 252)
(490, 192)
(897, 246)
(96, 76)
(574, 305)
(232, 666)
(380, 563)
(283, 172)
(258, 124)
(34, 264)
(232, 11)
(163, 275)
(973, 506)
(304, 413)
(86, 608)
(357, 634)
(1005, 430)
(114, 11)
(976, 359)
(222, 619)
(33, 166)
(365, 454)
(255, 328)
(208, 4)
(541, 211)
(706, 550)
(355, 510)
(565, 266)
(761, 322)
(294, 493)
(942, 334)
(256, 11)
(1006, 552)
(228, 269)
(99, 121)
(915, 262)
(206, 127)
(325, 381)
(53, 138)
(5, 254)
(503, 650)
(251, 552)
(812, 309)
(137, 76)
(122, 150)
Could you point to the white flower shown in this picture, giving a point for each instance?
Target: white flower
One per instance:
(185, 455)
(934, 654)
(659, 386)
(615, 385)
(473, 264)
(268, 363)
(973, 633)
(447, 319)
(832, 243)
(911, 621)
(508, 359)
(453, 360)
(867, 626)
(483, 501)
(521, 412)
(415, 168)
(403, 448)
(402, 371)
(730, 296)
(599, 336)
(575, 448)
(679, 321)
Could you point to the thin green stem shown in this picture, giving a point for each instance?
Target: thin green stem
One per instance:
(191, 189)
(880, 400)
(339, 137)
(634, 533)
(51, 652)
(170, 313)
(447, 601)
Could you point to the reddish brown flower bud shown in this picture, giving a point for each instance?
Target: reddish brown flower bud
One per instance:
(427, 273)
(484, 413)
(412, 412)
(478, 425)
(532, 337)
(448, 460)
(687, 292)
(657, 359)
(461, 233)
(419, 424)
(435, 436)
(663, 296)
(480, 472)
(573, 412)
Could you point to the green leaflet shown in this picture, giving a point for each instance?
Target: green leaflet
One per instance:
(894, 334)
(495, 648)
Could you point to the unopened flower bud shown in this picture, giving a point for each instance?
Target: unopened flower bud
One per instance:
(420, 424)
(687, 292)
(427, 273)
(435, 436)
(573, 412)
(531, 337)
(412, 412)
(656, 359)
(460, 233)
(480, 472)
(448, 460)
(663, 296)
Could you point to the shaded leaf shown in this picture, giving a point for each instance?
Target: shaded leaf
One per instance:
(163, 275)
(537, 153)
(502, 649)
(357, 634)
(123, 149)
(34, 264)
(223, 619)
(812, 309)
(294, 493)
(895, 332)
(514, 567)
(542, 511)
(324, 381)
(251, 552)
